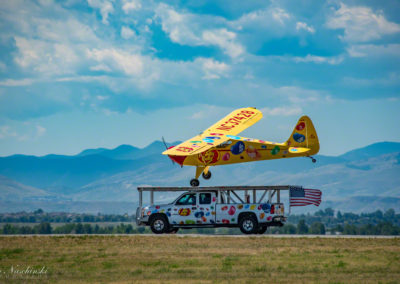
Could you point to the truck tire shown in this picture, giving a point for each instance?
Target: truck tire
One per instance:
(262, 229)
(248, 224)
(159, 224)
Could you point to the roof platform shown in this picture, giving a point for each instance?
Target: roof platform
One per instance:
(217, 188)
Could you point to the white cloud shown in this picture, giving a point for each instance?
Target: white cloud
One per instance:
(129, 64)
(127, 33)
(213, 69)
(105, 7)
(40, 130)
(363, 50)
(361, 24)
(334, 60)
(5, 131)
(3, 67)
(190, 29)
(282, 111)
(303, 26)
(131, 5)
(16, 83)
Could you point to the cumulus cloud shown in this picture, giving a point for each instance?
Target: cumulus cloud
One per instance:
(361, 24)
(105, 7)
(282, 111)
(189, 29)
(131, 5)
(213, 69)
(303, 26)
(127, 33)
(333, 60)
(363, 50)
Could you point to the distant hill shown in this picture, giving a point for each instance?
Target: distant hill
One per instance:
(112, 175)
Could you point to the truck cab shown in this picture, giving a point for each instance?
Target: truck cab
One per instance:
(213, 208)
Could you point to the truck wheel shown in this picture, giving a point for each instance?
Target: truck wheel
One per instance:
(248, 224)
(262, 229)
(206, 176)
(159, 225)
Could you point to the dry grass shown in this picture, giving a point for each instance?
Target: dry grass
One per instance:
(201, 259)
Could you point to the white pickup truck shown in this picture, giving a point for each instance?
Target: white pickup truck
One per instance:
(214, 207)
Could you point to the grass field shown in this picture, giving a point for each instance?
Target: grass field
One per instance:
(127, 259)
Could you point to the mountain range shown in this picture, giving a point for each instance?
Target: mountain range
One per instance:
(105, 180)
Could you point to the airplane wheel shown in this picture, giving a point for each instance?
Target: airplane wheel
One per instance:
(207, 176)
(194, 182)
(314, 160)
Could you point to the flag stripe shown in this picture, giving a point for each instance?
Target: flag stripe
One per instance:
(310, 197)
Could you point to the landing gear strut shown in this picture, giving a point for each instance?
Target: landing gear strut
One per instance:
(200, 171)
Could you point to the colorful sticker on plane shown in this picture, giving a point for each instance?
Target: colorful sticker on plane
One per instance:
(238, 148)
(253, 153)
(209, 157)
(299, 138)
(275, 150)
(301, 126)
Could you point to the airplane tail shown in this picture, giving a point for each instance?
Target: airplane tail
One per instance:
(304, 135)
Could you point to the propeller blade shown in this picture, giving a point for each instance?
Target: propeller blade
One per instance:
(166, 147)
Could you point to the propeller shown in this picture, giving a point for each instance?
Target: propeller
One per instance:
(166, 147)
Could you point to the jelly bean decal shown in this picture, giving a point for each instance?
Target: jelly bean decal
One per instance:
(252, 207)
(225, 221)
(157, 207)
(232, 210)
(299, 138)
(262, 215)
(195, 142)
(212, 221)
(238, 148)
(224, 208)
(233, 219)
(201, 208)
(275, 150)
(204, 219)
(154, 211)
(247, 206)
(263, 147)
(240, 206)
(190, 222)
(234, 137)
(266, 207)
(181, 223)
(214, 199)
(226, 157)
(212, 207)
(208, 214)
(184, 212)
(162, 210)
(301, 126)
(259, 207)
(199, 214)
(207, 140)
(212, 137)
(213, 213)
(168, 214)
(217, 134)
(253, 153)
(269, 218)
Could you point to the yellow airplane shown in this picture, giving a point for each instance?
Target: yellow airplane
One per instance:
(219, 145)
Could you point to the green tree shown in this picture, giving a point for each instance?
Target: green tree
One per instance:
(317, 228)
(44, 228)
(302, 227)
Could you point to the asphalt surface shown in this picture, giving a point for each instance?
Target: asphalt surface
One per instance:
(216, 236)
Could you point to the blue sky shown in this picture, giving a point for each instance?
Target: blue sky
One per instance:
(77, 75)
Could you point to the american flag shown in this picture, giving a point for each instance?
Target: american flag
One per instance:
(301, 196)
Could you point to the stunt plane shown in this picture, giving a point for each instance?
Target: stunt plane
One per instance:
(220, 145)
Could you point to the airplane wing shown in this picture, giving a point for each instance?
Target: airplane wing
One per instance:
(222, 131)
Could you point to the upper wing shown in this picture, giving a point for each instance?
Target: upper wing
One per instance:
(222, 131)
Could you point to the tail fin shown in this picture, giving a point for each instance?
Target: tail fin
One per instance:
(304, 135)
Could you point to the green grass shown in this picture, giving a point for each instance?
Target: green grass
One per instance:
(173, 259)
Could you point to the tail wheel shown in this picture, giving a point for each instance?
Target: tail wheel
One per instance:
(194, 182)
(207, 176)
(314, 160)
(159, 224)
(248, 224)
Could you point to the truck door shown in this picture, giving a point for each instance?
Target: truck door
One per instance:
(205, 213)
(183, 213)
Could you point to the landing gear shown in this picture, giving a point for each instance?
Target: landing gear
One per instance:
(207, 175)
(312, 159)
(194, 182)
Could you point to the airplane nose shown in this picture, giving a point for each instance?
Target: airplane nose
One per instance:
(178, 159)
